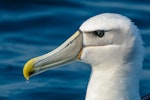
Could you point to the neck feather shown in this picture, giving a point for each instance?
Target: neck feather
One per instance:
(117, 82)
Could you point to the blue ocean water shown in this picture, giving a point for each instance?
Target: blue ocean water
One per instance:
(29, 28)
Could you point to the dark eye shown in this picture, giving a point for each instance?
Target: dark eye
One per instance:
(99, 33)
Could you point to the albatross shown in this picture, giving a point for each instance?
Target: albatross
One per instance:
(112, 45)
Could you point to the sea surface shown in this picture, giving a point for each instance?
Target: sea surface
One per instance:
(30, 28)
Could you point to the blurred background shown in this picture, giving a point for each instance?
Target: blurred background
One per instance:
(29, 28)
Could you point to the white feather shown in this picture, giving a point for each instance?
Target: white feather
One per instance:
(116, 59)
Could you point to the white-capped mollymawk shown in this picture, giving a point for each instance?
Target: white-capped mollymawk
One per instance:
(112, 45)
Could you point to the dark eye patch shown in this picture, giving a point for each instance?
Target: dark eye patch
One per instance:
(99, 33)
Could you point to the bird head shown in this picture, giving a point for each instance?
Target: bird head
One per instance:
(101, 39)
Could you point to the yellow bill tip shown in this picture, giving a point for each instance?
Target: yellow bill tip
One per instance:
(28, 68)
